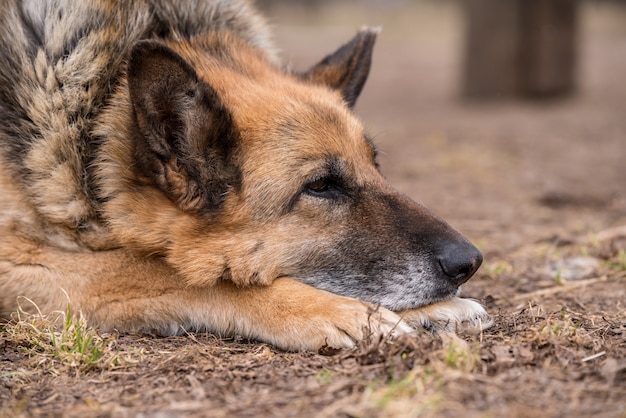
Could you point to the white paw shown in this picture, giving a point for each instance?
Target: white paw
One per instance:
(456, 314)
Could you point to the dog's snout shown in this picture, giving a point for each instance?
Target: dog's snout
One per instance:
(460, 261)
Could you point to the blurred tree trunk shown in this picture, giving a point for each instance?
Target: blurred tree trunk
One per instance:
(520, 48)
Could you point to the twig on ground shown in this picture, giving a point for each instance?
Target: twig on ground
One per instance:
(561, 288)
(593, 357)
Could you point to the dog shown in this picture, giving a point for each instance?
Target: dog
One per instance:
(162, 171)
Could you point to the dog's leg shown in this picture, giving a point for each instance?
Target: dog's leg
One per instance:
(287, 314)
(456, 314)
(116, 290)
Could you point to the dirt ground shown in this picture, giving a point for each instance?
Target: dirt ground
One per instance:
(539, 187)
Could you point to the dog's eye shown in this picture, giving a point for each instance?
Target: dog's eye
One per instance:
(318, 186)
(324, 187)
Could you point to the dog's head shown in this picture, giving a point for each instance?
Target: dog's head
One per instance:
(272, 175)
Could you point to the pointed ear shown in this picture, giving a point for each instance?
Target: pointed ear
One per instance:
(347, 68)
(185, 136)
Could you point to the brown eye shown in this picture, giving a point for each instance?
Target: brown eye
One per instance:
(318, 186)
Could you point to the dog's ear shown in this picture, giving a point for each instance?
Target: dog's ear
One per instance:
(347, 68)
(186, 137)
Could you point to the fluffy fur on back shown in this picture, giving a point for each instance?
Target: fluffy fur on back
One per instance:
(60, 62)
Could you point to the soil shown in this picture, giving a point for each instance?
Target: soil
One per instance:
(540, 187)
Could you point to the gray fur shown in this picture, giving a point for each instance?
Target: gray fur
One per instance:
(56, 75)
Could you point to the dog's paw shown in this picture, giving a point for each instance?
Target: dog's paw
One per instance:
(456, 314)
(338, 323)
(344, 324)
(373, 321)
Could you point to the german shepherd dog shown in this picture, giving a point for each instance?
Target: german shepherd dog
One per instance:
(162, 172)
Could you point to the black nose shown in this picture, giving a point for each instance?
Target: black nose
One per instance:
(459, 261)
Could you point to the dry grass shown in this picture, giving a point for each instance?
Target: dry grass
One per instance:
(63, 343)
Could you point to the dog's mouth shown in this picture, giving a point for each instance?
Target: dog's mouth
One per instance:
(418, 295)
(407, 289)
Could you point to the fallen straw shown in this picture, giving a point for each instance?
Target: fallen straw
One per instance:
(593, 356)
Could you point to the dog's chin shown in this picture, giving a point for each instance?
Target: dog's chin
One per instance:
(407, 301)
(448, 296)
(393, 295)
